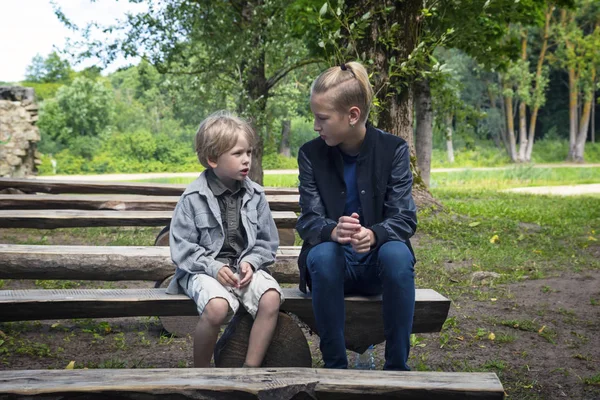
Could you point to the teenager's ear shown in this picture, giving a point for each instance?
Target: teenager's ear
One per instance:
(354, 115)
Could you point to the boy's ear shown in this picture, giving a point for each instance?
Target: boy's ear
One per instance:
(211, 163)
(354, 116)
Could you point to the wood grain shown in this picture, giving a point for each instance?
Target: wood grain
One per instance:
(158, 189)
(50, 219)
(238, 383)
(118, 202)
(111, 263)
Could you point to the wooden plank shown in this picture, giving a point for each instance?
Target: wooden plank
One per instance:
(158, 189)
(364, 324)
(244, 383)
(50, 219)
(111, 263)
(118, 202)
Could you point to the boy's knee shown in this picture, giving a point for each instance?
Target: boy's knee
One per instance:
(269, 302)
(216, 311)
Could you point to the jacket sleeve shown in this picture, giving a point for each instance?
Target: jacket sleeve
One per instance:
(400, 212)
(313, 226)
(186, 253)
(262, 254)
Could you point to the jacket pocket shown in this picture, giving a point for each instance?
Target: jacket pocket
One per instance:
(208, 229)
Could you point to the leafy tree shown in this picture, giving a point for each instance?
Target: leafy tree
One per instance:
(78, 115)
(242, 48)
(578, 43)
(51, 69)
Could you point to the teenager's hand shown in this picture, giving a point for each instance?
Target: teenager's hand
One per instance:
(346, 227)
(226, 277)
(246, 273)
(363, 240)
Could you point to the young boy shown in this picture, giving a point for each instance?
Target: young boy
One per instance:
(222, 237)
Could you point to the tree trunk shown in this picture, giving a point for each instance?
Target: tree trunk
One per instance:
(503, 133)
(449, 145)
(522, 131)
(510, 129)
(257, 89)
(396, 110)
(538, 78)
(284, 145)
(584, 123)
(573, 95)
(523, 107)
(593, 117)
(424, 133)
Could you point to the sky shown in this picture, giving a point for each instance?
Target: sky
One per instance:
(29, 27)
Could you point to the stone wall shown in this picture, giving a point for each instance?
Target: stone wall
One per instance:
(18, 133)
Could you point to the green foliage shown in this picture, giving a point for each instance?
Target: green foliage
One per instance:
(79, 113)
(51, 69)
(43, 90)
(278, 161)
(463, 157)
(485, 154)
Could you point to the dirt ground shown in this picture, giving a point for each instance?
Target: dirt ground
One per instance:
(539, 336)
(531, 365)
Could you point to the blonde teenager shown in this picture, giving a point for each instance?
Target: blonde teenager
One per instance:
(357, 215)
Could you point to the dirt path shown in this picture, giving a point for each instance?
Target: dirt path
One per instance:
(570, 190)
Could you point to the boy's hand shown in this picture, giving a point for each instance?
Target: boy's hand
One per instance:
(346, 227)
(363, 240)
(226, 277)
(246, 273)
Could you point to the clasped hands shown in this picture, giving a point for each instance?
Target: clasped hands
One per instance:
(227, 277)
(349, 230)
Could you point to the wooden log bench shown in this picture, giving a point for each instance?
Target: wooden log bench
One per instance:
(236, 383)
(122, 202)
(364, 325)
(62, 210)
(114, 263)
(51, 219)
(155, 189)
(111, 263)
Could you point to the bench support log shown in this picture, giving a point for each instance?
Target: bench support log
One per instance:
(288, 348)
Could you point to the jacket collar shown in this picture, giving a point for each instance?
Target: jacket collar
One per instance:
(200, 185)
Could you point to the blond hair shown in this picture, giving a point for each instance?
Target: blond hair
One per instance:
(350, 81)
(219, 133)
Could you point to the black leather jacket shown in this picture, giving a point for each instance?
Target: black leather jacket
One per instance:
(384, 181)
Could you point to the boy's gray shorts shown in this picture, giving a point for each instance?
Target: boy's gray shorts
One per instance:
(202, 288)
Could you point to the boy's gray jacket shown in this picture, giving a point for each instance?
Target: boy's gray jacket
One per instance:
(196, 235)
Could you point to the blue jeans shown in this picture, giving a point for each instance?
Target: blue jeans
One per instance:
(337, 270)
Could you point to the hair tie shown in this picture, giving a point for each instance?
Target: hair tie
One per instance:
(343, 67)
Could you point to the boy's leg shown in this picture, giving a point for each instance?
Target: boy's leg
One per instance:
(396, 269)
(262, 298)
(326, 264)
(263, 328)
(214, 303)
(207, 331)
